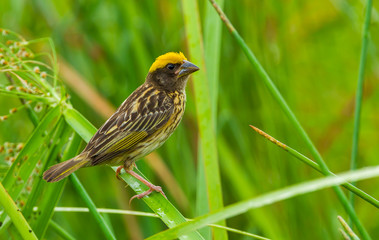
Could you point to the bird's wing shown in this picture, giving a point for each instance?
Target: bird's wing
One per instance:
(130, 125)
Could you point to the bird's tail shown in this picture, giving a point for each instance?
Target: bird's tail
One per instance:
(61, 170)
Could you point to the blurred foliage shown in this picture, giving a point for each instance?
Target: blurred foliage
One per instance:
(310, 49)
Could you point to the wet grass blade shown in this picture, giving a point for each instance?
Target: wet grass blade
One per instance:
(267, 199)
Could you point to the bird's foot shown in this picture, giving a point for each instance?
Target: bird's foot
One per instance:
(146, 193)
(151, 186)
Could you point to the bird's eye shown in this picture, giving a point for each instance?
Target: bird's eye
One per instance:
(170, 66)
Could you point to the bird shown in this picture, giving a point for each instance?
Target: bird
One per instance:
(141, 124)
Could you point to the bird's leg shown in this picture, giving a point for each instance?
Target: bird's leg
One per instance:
(118, 171)
(151, 186)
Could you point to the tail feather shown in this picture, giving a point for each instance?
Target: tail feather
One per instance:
(61, 170)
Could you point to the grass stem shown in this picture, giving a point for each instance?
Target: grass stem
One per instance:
(359, 93)
(15, 214)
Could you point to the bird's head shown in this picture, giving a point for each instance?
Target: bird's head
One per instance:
(170, 71)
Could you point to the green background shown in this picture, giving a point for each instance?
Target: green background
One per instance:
(310, 49)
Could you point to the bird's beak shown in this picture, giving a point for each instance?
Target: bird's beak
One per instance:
(187, 68)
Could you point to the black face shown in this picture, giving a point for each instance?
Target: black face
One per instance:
(167, 77)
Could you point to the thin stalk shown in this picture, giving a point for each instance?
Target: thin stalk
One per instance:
(309, 162)
(32, 115)
(359, 94)
(60, 231)
(41, 81)
(147, 214)
(23, 95)
(348, 230)
(15, 214)
(90, 204)
(291, 116)
(207, 128)
(53, 192)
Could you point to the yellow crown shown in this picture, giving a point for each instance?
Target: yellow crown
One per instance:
(163, 60)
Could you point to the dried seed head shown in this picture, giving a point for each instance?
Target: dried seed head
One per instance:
(13, 110)
(10, 87)
(3, 118)
(43, 74)
(21, 89)
(36, 69)
(1, 148)
(19, 146)
(25, 54)
(3, 62)
(38, 107)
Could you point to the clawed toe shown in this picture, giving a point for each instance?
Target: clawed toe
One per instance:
(146, 193)
(118, 171)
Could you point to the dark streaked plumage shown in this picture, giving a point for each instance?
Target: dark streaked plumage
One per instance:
(141, 124)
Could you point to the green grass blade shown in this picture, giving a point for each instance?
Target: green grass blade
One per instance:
(13, 184)
(15, 214)
(90, 204)
(212, 51)
(145, 214)
(359, 93)
(53, 191)
(31, 154)
(60, 231)
(79, 123)
(202, 206)
(204, 111)
(57, 141)
(32, 144)
(267, 199)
